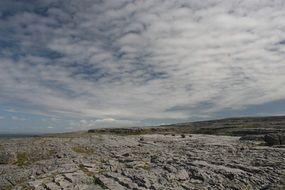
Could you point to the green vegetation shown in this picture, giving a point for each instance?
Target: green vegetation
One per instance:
(82, 150)
(22, 159)
(85, 170)
(51, 152)
(233, 184)
(23, 186)
(143, 165)
(8, 187)
(133, 131)
(27, 187)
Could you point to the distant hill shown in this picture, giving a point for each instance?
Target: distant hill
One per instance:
(229, 126)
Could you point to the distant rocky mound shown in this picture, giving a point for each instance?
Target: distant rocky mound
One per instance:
(255, 126)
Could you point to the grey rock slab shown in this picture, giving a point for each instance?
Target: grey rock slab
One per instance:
(78, 178)
(63, 182)
(110, 183)
(51, 186)
(122, 180)
(182, 175)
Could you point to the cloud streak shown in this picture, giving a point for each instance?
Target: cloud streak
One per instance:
(141, 60)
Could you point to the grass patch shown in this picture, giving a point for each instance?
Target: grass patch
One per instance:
(27, 187)
(143, 165)
(8, 187)
(237, 185)
(85, 170)
(22, 159)
(82, 150)
(51, 152)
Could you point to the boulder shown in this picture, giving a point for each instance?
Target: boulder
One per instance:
(282, 139)
(271, 139)
(275, 139)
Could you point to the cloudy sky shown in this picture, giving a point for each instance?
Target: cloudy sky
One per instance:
(78, 64)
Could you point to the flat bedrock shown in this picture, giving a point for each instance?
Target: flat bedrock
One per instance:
(154, 161)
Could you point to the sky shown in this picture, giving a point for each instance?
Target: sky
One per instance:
(68, 65)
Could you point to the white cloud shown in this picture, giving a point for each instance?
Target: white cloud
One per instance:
(105, 123)
(146, 59)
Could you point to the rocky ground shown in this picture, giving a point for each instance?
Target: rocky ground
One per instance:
(140, 162)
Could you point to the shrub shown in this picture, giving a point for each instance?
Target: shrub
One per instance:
(85, 170)
(22, 159)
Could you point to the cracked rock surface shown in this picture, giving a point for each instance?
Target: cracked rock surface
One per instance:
(140, 162)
